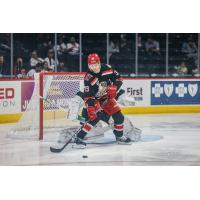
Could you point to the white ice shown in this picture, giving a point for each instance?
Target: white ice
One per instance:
(167, 139)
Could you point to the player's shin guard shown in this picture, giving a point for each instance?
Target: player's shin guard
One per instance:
(119, 127)
(118, 124)
(118, 130)
(84, 116)
(79, 143)
(86, 128)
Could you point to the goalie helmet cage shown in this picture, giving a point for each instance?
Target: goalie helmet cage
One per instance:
(49, 106)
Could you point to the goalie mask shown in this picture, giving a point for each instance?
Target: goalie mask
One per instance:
(94, 63)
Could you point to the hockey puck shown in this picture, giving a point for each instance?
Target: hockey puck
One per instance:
(84, 156)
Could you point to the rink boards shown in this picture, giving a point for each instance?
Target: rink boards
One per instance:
(150, 95)
(163, 95)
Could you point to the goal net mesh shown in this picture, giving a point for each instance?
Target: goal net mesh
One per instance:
(54, 107)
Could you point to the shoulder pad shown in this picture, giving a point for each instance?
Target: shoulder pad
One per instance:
(88, 76)
(107, 71)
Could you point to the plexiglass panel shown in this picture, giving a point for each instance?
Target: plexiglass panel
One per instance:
(33, 52)
(183, 54)
(151, 54)
(5, 55)
(122, 52)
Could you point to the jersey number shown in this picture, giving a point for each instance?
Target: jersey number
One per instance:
(86, 89)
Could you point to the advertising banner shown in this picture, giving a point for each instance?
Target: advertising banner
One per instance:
(10, 97)
(26, 94)
(15, 95)
(139, 90)
(176, 92)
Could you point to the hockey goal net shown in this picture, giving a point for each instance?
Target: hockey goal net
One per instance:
(50, 106)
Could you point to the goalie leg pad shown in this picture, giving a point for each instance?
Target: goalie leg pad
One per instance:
(97, 131)
(66, 134)
(131, 131)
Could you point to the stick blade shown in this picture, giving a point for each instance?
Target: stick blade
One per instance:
(54, 150)
(58, 150)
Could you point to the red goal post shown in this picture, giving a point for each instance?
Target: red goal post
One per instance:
(49, 106)
(67, 85)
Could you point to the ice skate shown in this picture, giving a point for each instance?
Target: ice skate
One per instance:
(123, 140)
(79, 144)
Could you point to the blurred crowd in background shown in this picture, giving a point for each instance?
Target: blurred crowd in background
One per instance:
(142, 55)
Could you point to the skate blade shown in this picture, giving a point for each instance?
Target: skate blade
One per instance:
(123, 143)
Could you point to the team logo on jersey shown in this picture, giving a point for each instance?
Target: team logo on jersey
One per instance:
(102, 89)
(168, 89)
(192, 89)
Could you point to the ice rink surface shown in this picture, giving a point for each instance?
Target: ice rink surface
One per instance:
(167, 139)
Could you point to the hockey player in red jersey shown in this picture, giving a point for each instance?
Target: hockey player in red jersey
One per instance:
(101, 87)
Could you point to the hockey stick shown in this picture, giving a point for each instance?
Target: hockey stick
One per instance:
(58, 150)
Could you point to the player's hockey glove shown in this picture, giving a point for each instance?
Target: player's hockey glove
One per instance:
(91, 113)
(112, 91)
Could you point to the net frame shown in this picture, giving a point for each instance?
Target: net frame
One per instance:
(73, 75)
(50, 108)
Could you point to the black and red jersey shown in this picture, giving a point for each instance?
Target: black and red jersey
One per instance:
(92, 81)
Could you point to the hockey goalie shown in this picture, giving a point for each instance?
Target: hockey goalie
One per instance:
(102, 91)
